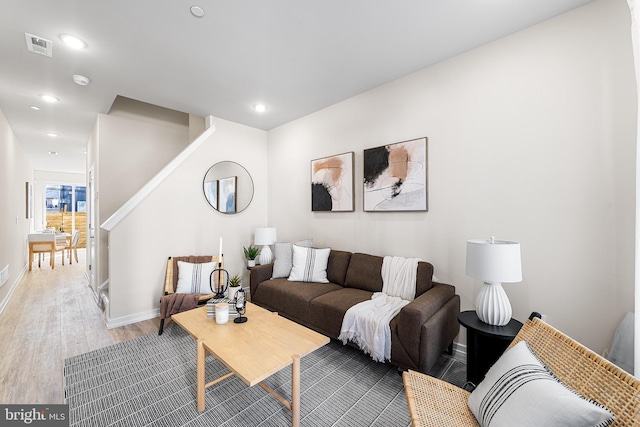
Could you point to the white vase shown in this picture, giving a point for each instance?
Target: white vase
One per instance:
(232, 292)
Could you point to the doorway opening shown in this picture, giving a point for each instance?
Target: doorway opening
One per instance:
(66, 209)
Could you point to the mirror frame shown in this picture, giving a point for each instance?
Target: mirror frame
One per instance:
(227, 169)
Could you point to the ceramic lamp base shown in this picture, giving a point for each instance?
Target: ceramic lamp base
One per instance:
(492, 305)
(266, 256)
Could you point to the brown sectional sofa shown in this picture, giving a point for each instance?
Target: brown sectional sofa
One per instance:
(421, 331)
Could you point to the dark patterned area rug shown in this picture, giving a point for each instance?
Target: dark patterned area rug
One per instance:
(150, 381)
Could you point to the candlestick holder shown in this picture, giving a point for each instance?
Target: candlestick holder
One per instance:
(219, 286)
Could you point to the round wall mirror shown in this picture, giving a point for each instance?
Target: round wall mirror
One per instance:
(228, 187)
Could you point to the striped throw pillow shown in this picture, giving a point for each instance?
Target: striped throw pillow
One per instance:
(519, 390)
(194, 278)
(309, 264)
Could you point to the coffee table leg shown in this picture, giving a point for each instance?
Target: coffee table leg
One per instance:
(200, 373)
(295, 391)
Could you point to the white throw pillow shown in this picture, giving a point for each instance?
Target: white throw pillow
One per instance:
(194, 278)
(283, 258)
(309, 264)
(520, 391)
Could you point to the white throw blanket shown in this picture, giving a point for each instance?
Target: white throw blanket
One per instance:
(367, 323)
(399, 277)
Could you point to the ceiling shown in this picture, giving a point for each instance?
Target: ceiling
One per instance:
(296, 57)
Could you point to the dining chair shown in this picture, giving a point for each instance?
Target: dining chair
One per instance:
(43, 243)
(71, 245)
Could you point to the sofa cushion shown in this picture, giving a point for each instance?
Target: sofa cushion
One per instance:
(283, 257)
(337, 266)
(327, 311)
(292, 298)
(364, 272)
(424, 278)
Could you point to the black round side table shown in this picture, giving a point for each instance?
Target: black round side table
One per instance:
(485, 343)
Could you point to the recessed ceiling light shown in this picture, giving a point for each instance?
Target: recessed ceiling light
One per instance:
(49, 98)
(53, 153)
(34, 107)
(197, 11)
(260, 108)
(52, 135)
(81, 80)
(73, 41)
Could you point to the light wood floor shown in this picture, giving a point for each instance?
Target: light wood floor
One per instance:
(51, 316)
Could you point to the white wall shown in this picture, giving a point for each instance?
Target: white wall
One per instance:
(175, 220)
(531, 138)
(127, 149)
(15, 171)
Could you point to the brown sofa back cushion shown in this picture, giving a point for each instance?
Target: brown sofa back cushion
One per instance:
(424, 278)
(365, 272)
(337, 266)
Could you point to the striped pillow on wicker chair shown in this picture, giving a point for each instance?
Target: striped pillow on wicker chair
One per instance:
(520, 391)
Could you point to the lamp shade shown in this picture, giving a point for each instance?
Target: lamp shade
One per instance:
(494, 261)
(265, 236)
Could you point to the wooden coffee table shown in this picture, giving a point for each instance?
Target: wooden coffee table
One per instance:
(253, 351)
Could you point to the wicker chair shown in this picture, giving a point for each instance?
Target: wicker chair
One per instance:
(171, 278)
(433, 402)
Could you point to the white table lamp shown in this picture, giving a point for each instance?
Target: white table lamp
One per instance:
(264, 237)
(494, 262)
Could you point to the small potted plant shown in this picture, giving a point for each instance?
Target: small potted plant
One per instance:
(234, 286)
(250, 254)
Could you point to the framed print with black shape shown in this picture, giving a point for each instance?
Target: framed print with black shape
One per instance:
(332, 183)
(395, 177)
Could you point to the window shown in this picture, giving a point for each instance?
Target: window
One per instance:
(66, 209)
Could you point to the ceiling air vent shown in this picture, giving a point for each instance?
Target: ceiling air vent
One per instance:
(39, 45)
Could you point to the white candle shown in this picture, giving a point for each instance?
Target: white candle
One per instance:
(220, 251)
(222, 313)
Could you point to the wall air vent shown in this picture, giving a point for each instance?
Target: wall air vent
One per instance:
(39, 45)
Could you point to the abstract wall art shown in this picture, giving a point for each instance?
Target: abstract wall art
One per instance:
(332, 183)
(227, 188)
(211, 192)
(395, 177)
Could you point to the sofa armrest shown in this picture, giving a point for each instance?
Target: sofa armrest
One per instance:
(259, 274)
(417, 312)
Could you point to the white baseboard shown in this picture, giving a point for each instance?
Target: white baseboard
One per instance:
(132, 318)
(460, 352)
(13, 287)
